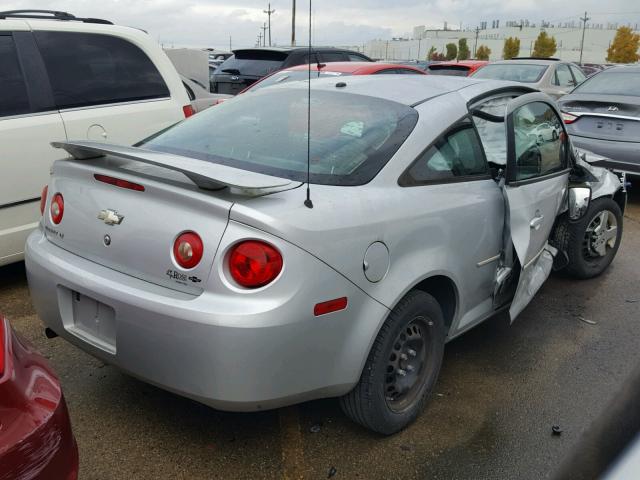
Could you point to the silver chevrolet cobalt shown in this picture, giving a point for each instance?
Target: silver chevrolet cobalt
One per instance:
(194, 261)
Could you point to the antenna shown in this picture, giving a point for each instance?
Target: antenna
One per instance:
(308, 203)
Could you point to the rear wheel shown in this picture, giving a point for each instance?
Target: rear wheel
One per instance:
(402, 367)
(594, 239)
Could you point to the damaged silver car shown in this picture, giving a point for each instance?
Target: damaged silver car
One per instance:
(249, 260)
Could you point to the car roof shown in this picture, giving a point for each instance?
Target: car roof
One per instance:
(356, 68)
(409, 90)
(623, 69)
(287, 49)
(462, 63)
(530, 61)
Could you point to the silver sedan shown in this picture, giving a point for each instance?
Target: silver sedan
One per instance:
(249, 260)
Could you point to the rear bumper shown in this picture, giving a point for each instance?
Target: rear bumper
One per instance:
(251, 354)
(625, 156)
(36, 440)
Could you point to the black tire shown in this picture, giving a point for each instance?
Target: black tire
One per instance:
(584, 260)
(369, 403)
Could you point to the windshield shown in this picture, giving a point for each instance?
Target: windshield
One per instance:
(612, 83)
(352, 136)
(515, 72)
(290, 76)
(257, 63)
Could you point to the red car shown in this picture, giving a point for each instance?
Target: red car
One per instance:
(333, 69)
(463, 68)
(36, 442)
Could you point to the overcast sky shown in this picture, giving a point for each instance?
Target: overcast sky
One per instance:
(337, 22)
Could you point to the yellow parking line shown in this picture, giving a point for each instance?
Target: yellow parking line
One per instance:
(291, 444)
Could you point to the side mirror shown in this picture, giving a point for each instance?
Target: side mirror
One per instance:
(579, 199)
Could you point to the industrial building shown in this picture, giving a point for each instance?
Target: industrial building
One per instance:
(568, 35)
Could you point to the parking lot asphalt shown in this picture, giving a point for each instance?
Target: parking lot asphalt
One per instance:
(501, 389)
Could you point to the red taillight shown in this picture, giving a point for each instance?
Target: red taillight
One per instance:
(330, 306)
(119, 182)
(43, 198)
(254, 264)
(188, 111)
(568, 118)
(57, 208)
(3, 346)
(188, 249)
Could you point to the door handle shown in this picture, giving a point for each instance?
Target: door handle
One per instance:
(536, 222)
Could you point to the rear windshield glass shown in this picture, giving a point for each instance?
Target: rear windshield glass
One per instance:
(515, 72)
(612, 83)
(449, 70)
(352, 136)
(257, 63)
(290, 76)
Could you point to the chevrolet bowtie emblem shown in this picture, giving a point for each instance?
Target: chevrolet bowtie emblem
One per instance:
(110, 217)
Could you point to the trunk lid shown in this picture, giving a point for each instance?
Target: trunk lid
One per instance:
(610, 117)
(141, 243)
(232, 84)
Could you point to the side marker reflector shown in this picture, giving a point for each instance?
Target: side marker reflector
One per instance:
(330, 306)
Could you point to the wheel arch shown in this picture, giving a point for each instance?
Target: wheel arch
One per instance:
(620, 197)
(445, 291)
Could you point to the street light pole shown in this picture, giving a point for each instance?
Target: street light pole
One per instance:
(584, 27)
(268, 11)
(293, 24)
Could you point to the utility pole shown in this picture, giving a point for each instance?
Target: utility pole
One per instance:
(268, 11)
(419, 44)
(259, 39)
(293, 24)
(584, 27)
(386, 51)
(230, 49)
(475, 45)
(264, 34)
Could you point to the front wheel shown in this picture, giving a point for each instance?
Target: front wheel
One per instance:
(594, 239)
(402, 367)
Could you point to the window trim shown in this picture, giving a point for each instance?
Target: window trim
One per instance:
(406, 180)
(511, 166)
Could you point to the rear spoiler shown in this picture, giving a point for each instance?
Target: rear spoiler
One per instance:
(609, 163)
(206, 175)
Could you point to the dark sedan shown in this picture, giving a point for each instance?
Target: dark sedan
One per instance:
(36, 442)
(603, 116)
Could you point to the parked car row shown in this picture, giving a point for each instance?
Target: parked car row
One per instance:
(247, 66)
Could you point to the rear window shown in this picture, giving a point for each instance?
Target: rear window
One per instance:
(352, 136)
(458, 71)
(92, 69)
(515, 72)
(612, 83)
(257, 63)
(292, 76)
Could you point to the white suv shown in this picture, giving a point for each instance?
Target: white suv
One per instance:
(66, 78)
